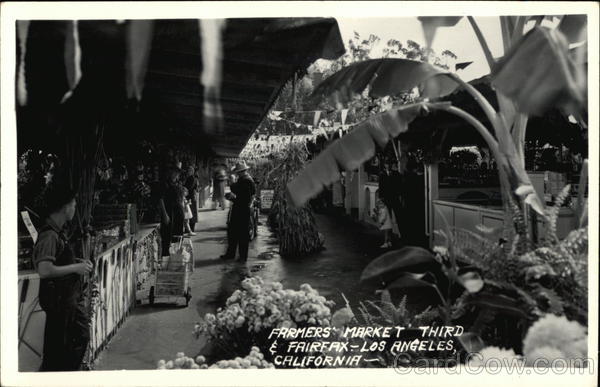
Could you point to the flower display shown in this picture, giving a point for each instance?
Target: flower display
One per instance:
(254, 360)
(552, 334)
(495, 353)
(263, 306)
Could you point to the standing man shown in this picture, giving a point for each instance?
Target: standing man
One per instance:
(242, 192)
(192, 184)
(66, 334)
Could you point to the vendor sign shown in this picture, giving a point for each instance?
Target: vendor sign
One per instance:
(266, 199)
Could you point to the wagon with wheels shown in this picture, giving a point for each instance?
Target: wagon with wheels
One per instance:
(173, 274)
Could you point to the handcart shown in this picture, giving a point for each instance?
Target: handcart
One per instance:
(173, 273)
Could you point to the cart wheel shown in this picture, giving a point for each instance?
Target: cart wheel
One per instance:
(151, 295)
(188, 296)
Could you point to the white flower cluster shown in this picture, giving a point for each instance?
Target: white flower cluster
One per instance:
(550, 338)
(495, 353)
(267, 305)
(254, 360)
(182, 362)
(553, 337)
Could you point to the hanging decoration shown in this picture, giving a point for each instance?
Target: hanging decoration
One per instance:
(212, 55)
(72, 58)
(316, 118)
(139, 40)
(344, 115)
(22, 32)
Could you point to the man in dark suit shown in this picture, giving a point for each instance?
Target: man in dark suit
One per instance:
(241, 195)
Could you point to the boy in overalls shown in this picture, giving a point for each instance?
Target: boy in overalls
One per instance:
(66, 334)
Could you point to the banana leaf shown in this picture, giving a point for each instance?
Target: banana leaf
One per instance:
(409, 280)
(499, 302)
(386, 76)
(573, 27)
(430, 25)
(538, 73)
(388, 265)
(350, 151)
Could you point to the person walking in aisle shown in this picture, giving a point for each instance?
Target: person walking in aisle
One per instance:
(66, 334)
(242, 192)
(219, 183)
(192, 185)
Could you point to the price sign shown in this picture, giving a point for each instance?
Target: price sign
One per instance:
(266, 199)
(29, 224)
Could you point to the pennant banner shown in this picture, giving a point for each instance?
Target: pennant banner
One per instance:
(22, 32)
(139, 40)
(72, 58)
(316, 118)
(212, 55)
(344, 115)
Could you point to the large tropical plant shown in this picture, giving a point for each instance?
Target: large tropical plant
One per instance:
(540, 69)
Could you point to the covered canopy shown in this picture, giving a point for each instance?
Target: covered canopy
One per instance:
(258, 57)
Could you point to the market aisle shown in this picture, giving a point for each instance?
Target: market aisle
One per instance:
(160, 331)
(154, 332)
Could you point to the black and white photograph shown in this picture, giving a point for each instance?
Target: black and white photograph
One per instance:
(317, 193)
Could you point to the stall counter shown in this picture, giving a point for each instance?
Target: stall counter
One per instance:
(467, 216)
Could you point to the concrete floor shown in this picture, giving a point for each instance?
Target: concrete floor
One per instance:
(160, 331)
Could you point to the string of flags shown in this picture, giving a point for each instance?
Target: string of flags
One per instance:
(318, 121)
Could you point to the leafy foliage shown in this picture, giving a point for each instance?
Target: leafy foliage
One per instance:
(295, 227)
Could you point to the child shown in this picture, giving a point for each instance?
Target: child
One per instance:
(187, 212)
(384, 220)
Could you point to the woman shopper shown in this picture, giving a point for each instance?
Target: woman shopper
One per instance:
(385, 222)
(192, 185)
(219, 183)
(187, 212)
(66, 334)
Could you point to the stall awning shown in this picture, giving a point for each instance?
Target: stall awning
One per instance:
(259, 57)
(553, 127)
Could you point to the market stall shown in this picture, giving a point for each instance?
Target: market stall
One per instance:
(459, 176)
(122, 270)
(114, 103)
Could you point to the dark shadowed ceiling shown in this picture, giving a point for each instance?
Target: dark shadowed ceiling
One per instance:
(259, 57)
